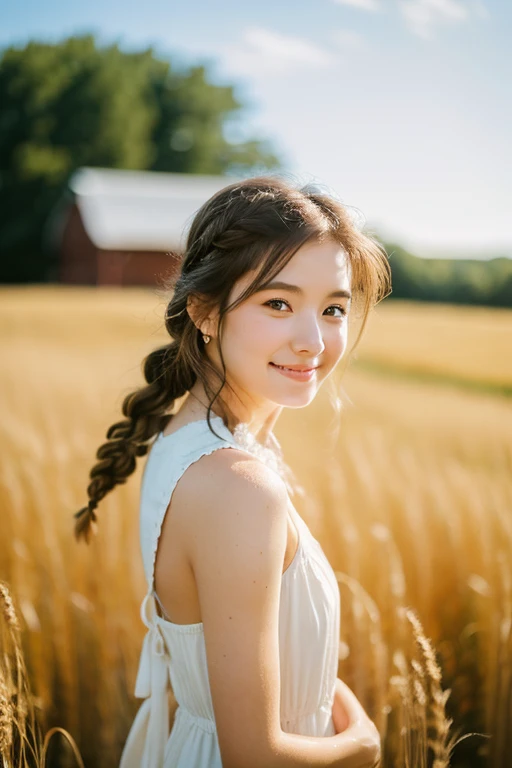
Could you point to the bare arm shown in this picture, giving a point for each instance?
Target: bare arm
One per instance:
(237, 552)
(340, 713)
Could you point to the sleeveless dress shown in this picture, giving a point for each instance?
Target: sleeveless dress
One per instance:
(309, 630)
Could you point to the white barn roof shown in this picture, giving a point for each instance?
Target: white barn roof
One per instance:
(140, 210)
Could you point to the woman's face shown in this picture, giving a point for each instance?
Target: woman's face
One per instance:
(300, 323)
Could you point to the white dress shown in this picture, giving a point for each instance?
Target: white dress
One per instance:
(309, 630)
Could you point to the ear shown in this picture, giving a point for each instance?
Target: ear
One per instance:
(198, 312)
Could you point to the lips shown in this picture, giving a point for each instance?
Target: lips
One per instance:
(299, 368)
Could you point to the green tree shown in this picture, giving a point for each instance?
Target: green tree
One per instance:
(71, 104)
(456, 281)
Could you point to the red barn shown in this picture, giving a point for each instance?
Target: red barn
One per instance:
(119, 227)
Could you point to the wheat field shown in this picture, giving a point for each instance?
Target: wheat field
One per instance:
(408, 488)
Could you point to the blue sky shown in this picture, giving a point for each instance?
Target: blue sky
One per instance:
(401, 107)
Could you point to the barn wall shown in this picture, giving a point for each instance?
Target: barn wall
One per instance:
(134, 267)
(84, 264)
(78, 253)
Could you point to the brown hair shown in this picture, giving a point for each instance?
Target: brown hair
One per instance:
(254, 224)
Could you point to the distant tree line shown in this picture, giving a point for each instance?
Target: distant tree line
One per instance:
(454, 281)
(73, 104)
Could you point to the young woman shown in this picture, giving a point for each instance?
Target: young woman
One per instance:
(242, 607)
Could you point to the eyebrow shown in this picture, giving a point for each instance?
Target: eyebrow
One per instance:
(279, 285)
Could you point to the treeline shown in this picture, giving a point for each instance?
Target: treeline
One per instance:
(453, 281)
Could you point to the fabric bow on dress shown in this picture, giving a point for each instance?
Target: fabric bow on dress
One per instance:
(151, 724)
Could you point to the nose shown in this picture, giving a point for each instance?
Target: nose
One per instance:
(308, 339)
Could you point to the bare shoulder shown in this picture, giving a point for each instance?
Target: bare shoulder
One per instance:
(223, 501)
(232, 512)
(238, 525)
(229, 481)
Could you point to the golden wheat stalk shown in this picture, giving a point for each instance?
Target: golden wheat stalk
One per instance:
(17, 723)
(434, 697)
(68, 737)
(19, 731)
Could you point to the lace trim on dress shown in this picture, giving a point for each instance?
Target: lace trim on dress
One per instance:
(272, 457)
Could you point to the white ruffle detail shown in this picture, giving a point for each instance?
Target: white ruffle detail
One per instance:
(272, 457)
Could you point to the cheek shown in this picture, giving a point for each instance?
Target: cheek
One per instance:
(336, 343)
(254, 333)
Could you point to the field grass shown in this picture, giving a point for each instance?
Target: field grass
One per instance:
(464, 344)
(409, 491)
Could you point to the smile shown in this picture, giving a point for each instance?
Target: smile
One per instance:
(304, 375)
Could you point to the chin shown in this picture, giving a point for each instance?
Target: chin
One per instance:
(296, 401)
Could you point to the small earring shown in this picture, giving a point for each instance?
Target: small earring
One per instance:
(206, 338)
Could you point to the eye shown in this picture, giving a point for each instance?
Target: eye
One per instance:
(275, 301)
(338, 306)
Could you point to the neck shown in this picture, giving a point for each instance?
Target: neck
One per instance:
(259, 422)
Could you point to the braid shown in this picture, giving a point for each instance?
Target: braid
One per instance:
(86, 522)
(169, 376)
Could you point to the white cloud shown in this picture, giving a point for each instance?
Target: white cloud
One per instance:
(263, 51)
(349, 40)
(422, 15)
(362, 5)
